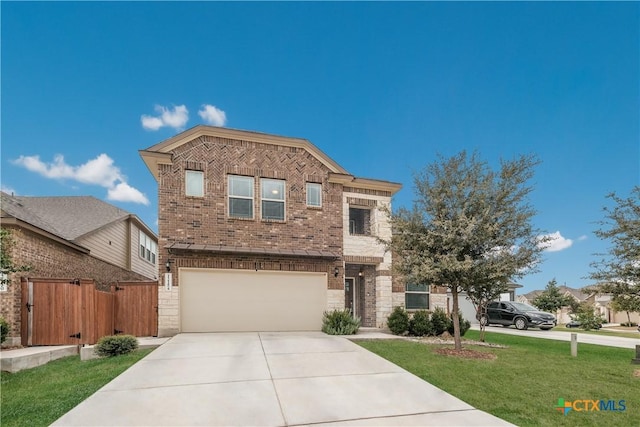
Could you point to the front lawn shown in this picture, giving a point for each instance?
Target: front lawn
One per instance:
(523, 384)
(39, 396)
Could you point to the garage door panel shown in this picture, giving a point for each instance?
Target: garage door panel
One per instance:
(240, 300)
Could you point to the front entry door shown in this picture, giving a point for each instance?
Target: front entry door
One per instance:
(349, 293)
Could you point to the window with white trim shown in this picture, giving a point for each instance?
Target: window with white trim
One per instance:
(272, 199)
(240, 196)
(148, 248)
(194, 183)
(416, 297)
(314, 195)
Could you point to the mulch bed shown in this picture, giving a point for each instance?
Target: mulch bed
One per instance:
(465, 353)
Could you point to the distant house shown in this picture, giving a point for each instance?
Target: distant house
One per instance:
(72, 237)
(601, 303)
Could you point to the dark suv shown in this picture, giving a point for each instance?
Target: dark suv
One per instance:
(507, 313)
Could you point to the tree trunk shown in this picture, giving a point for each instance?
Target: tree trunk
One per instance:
(455, 318)
(482, 309)
(628, 318)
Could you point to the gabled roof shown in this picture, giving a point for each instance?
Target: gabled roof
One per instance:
(67, 217)
(161, 153)
(575, 293)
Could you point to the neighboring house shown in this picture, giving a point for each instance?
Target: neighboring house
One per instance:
(73, 237)
(260, 232)
(601, 303)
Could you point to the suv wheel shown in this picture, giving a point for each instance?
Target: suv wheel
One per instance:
(484, 320)
(521, 323)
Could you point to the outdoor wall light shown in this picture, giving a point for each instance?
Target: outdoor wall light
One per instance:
(360, 273)
(336, 271)
(168, 265)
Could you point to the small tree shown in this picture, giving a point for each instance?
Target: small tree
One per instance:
(586, 315)
(6, 261)
(618, 270)
(469, 225)
(551, 299)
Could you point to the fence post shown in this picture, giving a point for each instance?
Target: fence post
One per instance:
(574, 344)
(636, 361)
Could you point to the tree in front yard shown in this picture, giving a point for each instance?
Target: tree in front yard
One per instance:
(551, 299)
(470, 226)
(618, 270)
(6, 262)
(585, 313)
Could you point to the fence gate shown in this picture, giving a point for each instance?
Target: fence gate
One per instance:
(52, 311)
(72, 312)
(136, 308)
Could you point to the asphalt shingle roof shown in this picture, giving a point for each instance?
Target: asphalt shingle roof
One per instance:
(69, 217)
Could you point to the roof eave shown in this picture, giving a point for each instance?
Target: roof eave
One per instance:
(19, 223)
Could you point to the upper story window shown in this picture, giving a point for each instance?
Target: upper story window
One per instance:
(314, 195)
(360, 221)
(416, 297)
(240, 196)
(194, 183)
(148, 248)
(272, 199)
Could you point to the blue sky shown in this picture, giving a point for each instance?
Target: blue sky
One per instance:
(380, 87)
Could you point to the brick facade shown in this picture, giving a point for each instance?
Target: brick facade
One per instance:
(198, 232)
(49, 259)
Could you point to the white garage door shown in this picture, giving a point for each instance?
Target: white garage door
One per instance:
(241, 300)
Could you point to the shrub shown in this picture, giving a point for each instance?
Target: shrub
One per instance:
(628, 324)
(340, 322)
(464, 325)
(114, 345)
(440, 321)
(587, 317)
(420, 324)
(4, 329)
(398, 321)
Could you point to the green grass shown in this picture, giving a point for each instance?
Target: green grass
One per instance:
(526, 380)
(633, 333)
(39, 396)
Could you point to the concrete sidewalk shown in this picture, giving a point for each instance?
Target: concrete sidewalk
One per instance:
(607, 340)
(269, 379)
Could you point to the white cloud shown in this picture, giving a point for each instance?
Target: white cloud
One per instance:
(555, 242)
(174, 118)
(123, 192)
(581, 238)
(213, 115)
(99, 171)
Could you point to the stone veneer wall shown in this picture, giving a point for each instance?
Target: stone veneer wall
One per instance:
(49, 259)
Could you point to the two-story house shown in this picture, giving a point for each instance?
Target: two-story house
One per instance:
(261, 232)
(71, 237)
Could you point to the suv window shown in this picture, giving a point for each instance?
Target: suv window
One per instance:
(493, 304)
(504, 306)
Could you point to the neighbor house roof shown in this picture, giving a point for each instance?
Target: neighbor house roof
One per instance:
(66, 217)
(576, 293)
(161, 153)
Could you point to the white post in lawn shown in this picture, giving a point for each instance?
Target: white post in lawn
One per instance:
(574, 344)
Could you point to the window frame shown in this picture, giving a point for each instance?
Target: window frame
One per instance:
(241, 197)
(366, 216)
(263, 199)
(318, 188)
(188, 172)
(407, 291)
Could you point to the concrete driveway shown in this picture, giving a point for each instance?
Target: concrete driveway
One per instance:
(270, 379)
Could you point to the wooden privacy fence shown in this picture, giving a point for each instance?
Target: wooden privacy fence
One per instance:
(63, 311)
